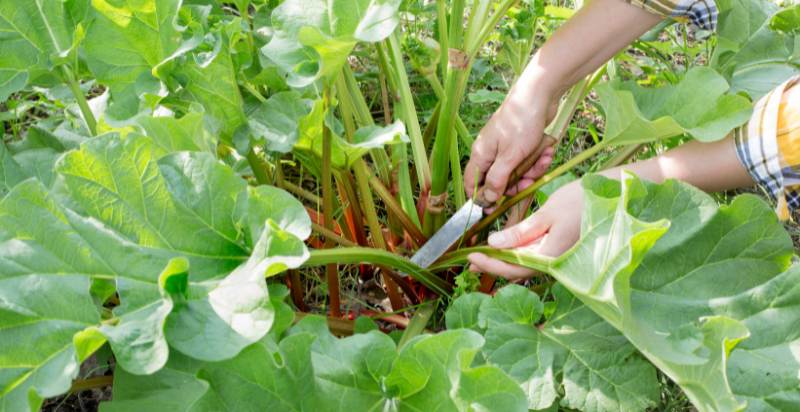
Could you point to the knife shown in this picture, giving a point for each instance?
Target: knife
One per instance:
(469, 214)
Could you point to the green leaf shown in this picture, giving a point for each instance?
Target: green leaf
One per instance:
(344, 153)
(34, 156)
(314, 37)
(486, 96)
(175, 135)
(130, 216)
(37, 162)
(754, 57)
(125, 41)
(349, 372)
(463, 312)
(787, 20)
(513, 304)
(574, 352)
(210, 79)
(310, 369)
(11, 172)
(686, 297)
(35, 34)
(44, 303)
(635, 114)
(423, 53)
(265, 376)
(763, 370)
(428, 368)
(59, 137)
(275, 122)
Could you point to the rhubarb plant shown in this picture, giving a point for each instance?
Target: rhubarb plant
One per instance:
(165, 162)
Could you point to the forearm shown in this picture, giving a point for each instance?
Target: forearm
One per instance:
(712, 167)
(591, 37)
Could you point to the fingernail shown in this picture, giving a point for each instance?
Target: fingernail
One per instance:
(490, 195)
(498, 239)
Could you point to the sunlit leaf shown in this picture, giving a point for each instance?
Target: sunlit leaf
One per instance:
(125, 41)
(275, 122)
(35, 34)
(636, 114)
(344, 153)
(314, 37)
(787, 20)
(749, 52)
(174, 135)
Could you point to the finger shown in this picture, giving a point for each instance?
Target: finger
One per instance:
(481, 158)
(535, 172)
(546, 155)
(541, 165)
(560, 239)
(482, 263)
(499, 172)
(520, 186)
(522, 233)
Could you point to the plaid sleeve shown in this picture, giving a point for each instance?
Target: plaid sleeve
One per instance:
(700, 13)
(769, 145)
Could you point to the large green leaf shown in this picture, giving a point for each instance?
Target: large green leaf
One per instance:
(753, 56)
(572, 352)
(36, 34)
(313, 38)
(310, 370)
(125, 41)
(686, 296)
(699, 106)
(349, 373)
(186, 241)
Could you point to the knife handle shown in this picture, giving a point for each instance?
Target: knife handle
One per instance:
(518, 172)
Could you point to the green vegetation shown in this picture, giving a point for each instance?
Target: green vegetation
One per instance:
(162, 158)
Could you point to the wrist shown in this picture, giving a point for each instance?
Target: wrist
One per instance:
(539, 77)
(531, 94)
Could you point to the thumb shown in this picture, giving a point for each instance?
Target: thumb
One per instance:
(520, 234)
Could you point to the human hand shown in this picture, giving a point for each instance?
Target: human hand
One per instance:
(512, 134)
(551, 231)
(576, 49)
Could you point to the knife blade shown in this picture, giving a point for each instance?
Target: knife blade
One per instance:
(470, 213)
(444, 238)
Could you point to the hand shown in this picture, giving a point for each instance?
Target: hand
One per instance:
(576, 49)
(512, 134)
(551, 231)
